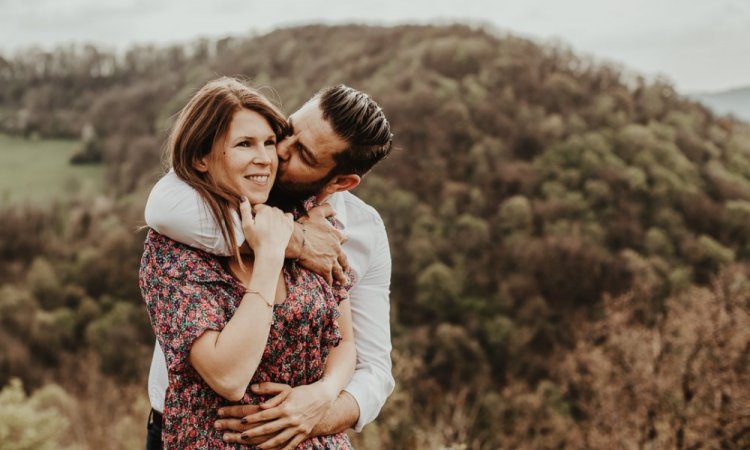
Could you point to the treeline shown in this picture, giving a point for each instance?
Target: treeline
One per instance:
(552, 220)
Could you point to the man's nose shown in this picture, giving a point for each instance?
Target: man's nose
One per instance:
(282, 149)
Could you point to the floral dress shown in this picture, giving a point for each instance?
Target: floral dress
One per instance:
(188, 292)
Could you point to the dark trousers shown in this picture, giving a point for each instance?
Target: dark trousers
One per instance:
(153, 437)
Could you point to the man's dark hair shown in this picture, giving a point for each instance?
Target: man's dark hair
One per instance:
(359, 121)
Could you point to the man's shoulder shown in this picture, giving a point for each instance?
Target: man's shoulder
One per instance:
(358, 210)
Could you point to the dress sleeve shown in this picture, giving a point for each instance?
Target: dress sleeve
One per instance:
(181, 312)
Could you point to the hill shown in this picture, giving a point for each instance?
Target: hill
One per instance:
(733, 101)
(554, 226)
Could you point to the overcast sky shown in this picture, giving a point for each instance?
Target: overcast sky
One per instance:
(701, 45)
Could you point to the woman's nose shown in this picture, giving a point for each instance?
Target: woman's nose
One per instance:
(263, 155)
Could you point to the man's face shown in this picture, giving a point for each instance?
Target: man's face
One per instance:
(306, 157)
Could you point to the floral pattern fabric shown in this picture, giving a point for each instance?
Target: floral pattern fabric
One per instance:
(188, 292)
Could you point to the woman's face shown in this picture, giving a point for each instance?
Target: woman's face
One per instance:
(245, 160)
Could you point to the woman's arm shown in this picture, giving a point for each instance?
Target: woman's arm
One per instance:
(228, 359)
(342, 358)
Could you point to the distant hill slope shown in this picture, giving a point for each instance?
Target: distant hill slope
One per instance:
(734, 101)
(527, 187)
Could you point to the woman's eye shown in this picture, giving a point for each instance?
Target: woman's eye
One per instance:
(244, 144)
(270, 142)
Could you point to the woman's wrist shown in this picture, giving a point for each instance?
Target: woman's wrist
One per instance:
(328, 388)
(267, 254)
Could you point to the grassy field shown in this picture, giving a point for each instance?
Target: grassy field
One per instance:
(37, 171)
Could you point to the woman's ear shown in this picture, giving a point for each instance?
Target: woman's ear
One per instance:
(201, 165)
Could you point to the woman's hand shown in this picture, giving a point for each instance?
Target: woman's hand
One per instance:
(268, 229)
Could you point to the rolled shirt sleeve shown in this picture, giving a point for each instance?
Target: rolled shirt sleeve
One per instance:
(372, 381)
(176, 210)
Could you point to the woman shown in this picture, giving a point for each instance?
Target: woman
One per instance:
(226, 323)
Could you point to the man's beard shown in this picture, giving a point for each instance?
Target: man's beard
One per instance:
(288, 195)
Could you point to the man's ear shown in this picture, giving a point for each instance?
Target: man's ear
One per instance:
(341, 183)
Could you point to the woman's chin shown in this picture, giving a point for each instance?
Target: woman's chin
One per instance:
(256, 198)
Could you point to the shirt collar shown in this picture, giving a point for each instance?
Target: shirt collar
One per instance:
(337, 202)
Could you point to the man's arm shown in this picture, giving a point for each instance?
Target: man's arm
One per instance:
(372, 381)
(177, 211)
(341, 416)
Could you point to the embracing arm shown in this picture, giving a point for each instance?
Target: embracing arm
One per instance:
(293, 414)
(227, 359)
(372, 381)
(177, 211)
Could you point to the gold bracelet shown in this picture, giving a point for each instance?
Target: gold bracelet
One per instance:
(270, 304)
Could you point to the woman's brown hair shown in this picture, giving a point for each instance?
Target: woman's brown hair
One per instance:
(201, 123)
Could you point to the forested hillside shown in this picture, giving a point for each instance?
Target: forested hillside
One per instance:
(569, 241)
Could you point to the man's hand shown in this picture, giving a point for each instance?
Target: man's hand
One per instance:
(283, 421)
(321, 252)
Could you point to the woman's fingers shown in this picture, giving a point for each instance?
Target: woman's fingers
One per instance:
(246, 211)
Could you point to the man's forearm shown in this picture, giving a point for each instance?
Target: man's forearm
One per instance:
(294, 248)
(342, 415)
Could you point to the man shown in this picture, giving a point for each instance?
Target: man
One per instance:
(335, 138)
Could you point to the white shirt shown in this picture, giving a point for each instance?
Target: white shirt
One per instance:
(177, 211)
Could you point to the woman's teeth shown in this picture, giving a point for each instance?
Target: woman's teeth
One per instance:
(258, 178)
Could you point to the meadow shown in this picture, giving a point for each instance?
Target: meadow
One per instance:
(38, 171)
